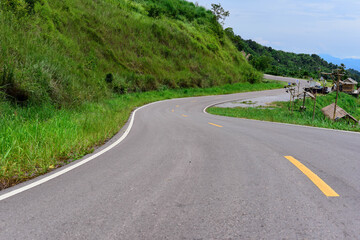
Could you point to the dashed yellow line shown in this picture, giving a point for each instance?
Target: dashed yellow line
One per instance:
(184, 115)
(173, 110)
(326, 189)
(215, 125)
(177, 106)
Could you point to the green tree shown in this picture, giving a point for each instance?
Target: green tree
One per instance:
(261, 63)
(219, 12)
(342, 68)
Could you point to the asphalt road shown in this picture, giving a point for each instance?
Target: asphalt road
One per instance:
(184, 174)
(284, 79)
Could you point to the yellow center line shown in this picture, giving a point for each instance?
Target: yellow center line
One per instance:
(177, 106)
(215, 125)
(184, 115)
(173, 110)
(194, 101)
(326, 189)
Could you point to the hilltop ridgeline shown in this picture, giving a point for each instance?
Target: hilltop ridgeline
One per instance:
(66, 52)
(281, 63)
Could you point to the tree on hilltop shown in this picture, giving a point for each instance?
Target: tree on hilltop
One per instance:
(219, 12)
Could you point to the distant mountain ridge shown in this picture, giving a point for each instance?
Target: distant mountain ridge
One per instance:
(349, 62)
(281, 63)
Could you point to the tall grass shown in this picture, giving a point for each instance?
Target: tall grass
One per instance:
(280, 112)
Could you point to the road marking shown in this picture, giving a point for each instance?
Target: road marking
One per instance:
(215, 125)
(173, 110)
(184, 115)
(68, 168)
(326, 189)
(193, 101)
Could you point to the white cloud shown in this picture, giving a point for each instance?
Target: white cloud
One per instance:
(262, 41)
(352, 57)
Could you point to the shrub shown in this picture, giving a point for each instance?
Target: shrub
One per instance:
(170, 83)
(109, 78)
(19, 7)
(154, 11)
(212, 47)
(9, 88)
(150, 83)
(120, 86)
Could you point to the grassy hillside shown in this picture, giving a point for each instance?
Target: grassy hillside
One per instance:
(71, 71)
(61, 51)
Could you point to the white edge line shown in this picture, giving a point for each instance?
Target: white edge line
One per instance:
(82, 162)
(278, 123)
(127, 131)
(86, 160)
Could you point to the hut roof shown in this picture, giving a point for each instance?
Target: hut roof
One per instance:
(328, 111)
(349, 81)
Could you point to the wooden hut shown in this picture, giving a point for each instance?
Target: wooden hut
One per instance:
(328, 111)
(348, 86)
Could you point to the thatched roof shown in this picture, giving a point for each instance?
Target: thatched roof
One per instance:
(328, 111)
(349, 81)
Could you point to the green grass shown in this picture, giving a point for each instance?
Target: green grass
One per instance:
(60, 51)
(279, 112)
(36, 139)
(71, 71)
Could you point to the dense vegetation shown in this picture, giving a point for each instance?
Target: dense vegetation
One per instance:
(71, 71)
(279, 112)
(354, 74)
(61, 52)
(280, 63)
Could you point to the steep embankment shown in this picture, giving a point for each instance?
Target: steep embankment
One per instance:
(61, 51)
(71, 71)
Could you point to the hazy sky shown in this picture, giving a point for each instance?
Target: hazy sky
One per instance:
(301, 26)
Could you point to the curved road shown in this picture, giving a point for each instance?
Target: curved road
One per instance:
(184, 174)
